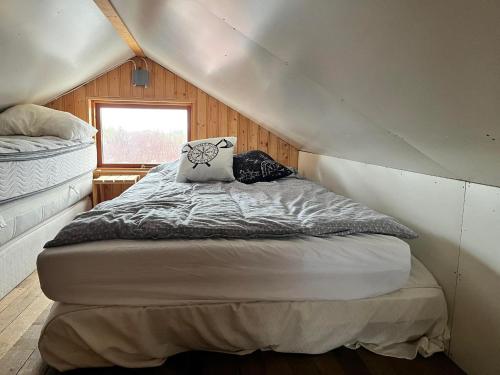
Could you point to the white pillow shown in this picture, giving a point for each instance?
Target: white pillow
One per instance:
(207, 160)
(37, 121)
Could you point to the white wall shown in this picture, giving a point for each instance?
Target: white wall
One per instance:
(459, 228)
(476, 327)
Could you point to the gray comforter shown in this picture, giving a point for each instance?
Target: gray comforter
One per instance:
(159, 208)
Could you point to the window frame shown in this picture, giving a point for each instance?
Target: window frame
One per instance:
(95, 116)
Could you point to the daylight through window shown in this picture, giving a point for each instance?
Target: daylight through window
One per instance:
(141, 135)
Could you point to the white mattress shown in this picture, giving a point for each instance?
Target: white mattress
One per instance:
(399, 324)
(18, 216)
(18, 256)
(123, 272)
(32, 164)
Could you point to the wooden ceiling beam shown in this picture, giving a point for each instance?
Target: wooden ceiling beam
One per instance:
(112, 15)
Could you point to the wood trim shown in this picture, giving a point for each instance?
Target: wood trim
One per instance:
(205, 117)
(116, 21)
(117, 171)
(97, 104)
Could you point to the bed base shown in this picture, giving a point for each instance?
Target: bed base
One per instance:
(400, 324)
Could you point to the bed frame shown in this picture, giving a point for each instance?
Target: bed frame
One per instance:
(399, 324)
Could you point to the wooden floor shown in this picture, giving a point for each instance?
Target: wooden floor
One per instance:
(23, 311)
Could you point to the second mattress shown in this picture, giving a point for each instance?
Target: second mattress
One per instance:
(18, 216)
(30, 165)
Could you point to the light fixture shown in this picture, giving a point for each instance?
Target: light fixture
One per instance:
(140, 77)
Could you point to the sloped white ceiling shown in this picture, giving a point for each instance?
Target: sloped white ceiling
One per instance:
(50, 46)
(410, 84)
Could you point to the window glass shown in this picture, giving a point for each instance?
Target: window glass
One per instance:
(142, 135)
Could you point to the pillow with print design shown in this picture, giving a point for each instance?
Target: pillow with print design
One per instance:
(207, 160)
(257, 166)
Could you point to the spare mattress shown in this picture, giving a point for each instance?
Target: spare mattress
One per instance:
(20, 215)
(400, 324)
(18, 256)
(124, 272)
(32, 164)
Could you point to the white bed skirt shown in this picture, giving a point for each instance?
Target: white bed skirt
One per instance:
(18, 256)
(399, 324)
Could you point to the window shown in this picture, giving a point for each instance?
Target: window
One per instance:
(133, 135)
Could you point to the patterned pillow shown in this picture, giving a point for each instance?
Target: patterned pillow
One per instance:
(257, 166)
(207, 160)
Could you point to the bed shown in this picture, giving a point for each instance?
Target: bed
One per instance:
(283, 265)
(45, 183)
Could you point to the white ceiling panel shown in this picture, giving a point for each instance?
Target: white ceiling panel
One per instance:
(413, 85)
(427, 71)
(50, 46)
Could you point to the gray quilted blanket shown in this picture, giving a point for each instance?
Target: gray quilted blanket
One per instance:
(157, 207)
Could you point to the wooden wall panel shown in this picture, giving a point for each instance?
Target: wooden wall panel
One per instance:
(102, 86)
(114, 83)
(91, 89)
(242, 134)
(272, 148)
(69, 102)
(294, 156)
(159, 80)
(253, 136)
(169, 85)
(233, 122)
(283, 152)
(213, 118)
(180, 91)
(149, 92)
(222, 119)
(125, 80)
(81, 109)
(264, 140)
(210, 117)
(201, 113)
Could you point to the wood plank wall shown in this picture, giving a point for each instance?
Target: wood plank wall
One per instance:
(210, 117)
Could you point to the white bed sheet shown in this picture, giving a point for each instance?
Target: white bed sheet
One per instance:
(139, 273)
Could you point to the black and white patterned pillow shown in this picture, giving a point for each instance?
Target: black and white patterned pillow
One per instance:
(207, 160)
(257, 166)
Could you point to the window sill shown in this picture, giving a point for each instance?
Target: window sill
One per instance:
(103, 171)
